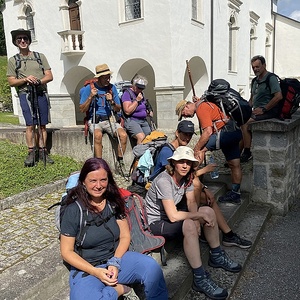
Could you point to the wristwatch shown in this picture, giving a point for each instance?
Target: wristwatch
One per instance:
(263, 109)
(204, 187)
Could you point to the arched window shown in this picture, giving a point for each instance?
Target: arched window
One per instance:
(30, 22)
(132, 9)
(232, 44)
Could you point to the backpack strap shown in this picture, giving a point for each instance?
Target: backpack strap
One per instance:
(38, 59)
(17, 58)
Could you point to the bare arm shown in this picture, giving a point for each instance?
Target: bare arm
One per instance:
(14, 82)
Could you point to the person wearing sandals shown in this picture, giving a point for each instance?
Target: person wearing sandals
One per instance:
(172, 212)
(103, 267)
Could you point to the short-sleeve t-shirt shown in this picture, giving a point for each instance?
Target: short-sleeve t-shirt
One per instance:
(100, 243)
(29, 66)
(209, 114)
(262, 94)
(102, 106)
(163, 188)
(140, 111)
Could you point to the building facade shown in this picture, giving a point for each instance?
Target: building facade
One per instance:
(153, 38)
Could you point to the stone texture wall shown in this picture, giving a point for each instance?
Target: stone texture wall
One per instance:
(276, 162)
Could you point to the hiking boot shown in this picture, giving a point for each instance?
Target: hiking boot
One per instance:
(204, 284)
(48, 159)
(131, 295)
(245, 157)
(30, 159)
(231, 197)
(221, 260)
(237, 241)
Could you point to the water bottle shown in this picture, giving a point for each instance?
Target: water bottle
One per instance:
(215, 173)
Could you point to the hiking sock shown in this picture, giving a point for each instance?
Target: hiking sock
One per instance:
(235, 187)
(228, 234)
(119, 158)
(199, 271)
(215, 250)
(30, 149)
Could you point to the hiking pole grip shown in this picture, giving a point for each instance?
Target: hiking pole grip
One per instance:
(190, 77)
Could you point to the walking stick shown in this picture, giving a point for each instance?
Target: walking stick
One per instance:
(38, 116)
(94, 122)
(190, 77)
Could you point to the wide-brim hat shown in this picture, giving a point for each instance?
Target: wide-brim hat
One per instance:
(179, 108)
(102, 70)
(18, 32)
(184, 152)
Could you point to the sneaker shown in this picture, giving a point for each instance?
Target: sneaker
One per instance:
(222, 260)
(131, 295)
(48, 159)
(245, 157)
(204, 284)
(231, 197)
(30, 159)
(237, 241)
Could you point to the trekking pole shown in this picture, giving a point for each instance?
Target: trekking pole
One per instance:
(118, 138)
(38, 116)
(94, 122)
(190, 77)
(31, 100)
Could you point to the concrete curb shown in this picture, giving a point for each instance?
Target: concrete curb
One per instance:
(34, 193)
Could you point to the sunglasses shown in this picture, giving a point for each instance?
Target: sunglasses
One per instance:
(20, 38)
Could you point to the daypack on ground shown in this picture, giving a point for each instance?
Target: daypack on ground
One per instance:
(290, 88)
(144, 157)
(142, 240)
(229, 101)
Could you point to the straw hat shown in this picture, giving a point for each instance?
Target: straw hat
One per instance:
(102, 70)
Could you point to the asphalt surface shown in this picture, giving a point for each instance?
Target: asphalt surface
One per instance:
(273, 271)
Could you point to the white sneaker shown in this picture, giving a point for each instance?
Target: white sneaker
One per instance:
(131, 295)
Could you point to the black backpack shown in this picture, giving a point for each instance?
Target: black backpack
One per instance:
(229, 101)
(290, 89)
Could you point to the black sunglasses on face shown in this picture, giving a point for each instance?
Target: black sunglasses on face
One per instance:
(20, 38)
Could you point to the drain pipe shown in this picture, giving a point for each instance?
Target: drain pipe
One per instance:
(274, 37)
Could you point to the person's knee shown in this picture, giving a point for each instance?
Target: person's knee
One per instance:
(189, 228)
(122, 134)
(98, 136)
(140, 136)
(208, 211)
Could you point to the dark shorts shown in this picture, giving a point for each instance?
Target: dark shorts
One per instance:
(27, 109)
(229, 143)
(167, 229)
(272, 113)
(133, 127)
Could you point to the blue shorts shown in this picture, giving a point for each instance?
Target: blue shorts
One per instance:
(229, 143)
(133, 127)
(32, 118)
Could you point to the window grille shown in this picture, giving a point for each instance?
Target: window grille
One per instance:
(132, 9)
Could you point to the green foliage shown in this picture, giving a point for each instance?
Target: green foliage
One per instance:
(9, 118)
(5, 94)
(16, 178)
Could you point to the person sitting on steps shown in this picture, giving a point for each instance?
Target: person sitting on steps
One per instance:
(173, 212)
(183, 135)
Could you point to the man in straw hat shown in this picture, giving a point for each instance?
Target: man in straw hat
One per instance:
(102, 98)
(25, 70)
(216, 134)
(173, 212)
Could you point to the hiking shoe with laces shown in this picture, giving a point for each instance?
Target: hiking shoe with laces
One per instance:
(30, 159)
(204, 284)
(245, 157)
(131, 295)
(231, 197)
(237, 241)
(222, 260)
(48, 159)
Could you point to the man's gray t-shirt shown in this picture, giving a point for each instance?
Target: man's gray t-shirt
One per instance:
(163, 188)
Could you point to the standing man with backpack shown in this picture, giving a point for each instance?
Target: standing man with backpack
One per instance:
(217, 133)
(264, 99)
(101, 100)
(29, 72)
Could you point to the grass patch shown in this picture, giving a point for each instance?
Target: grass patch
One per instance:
(16, 178)
(9, 118)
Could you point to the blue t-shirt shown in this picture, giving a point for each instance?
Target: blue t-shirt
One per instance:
(102, 106)
(161, 160)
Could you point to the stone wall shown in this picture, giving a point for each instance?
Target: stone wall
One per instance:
(276, 162)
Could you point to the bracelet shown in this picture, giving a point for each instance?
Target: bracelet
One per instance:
(114, 261)
(204, 187)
